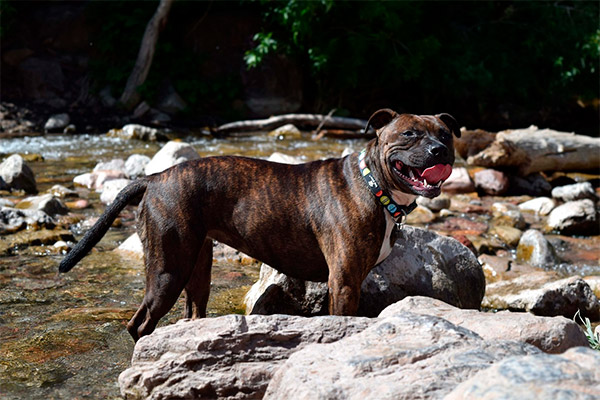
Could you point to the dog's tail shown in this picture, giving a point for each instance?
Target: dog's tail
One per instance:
(99, 229)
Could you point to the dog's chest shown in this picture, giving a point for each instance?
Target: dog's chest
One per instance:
(386, 246)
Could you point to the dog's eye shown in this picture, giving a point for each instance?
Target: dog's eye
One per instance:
(408, 133)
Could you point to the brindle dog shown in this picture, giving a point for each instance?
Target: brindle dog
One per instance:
(319, 221)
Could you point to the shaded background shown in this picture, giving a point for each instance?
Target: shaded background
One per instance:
(492, 64)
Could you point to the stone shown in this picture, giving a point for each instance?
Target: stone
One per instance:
(141, 109)
(549, 334)
(571, 375)
(421, 263)
(532, 185)
(17, 175)
(13, 220)
(541, 205)
(57, 123)
(508, 214)
(172, 102)
(111, 189)
(224, 253)
(496, 268)
(541, 294)
(460, 226)
(507, 234)
(46, 203)
(106, 97)
(436, 204)
(284, 158)
(578, 217)
(404, 356)
(140, 132)
(287, 131)
(459, 182)
(115, 164)
(96, 180)
(62, 191)
(491, 182)
(132, 247)
(534, 249)
(171, 154)
(70, 129)
(577, 191)
(135, 165)
(11, 244)
(232, 356)
(420, 215)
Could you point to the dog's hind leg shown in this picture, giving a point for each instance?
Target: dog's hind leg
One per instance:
(198, 286)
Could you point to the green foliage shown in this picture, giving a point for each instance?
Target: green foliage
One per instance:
(592, 337)
(424, 53)
(7, 12)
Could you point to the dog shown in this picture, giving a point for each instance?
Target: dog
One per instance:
(326, 221)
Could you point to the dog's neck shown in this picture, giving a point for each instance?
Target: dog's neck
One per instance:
(395, 202)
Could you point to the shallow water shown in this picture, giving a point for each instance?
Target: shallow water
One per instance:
(64, 336)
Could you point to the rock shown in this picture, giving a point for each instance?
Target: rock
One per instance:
(172, 102)
(404, 356)
(541, 294)
(594, 282)
(12, 244)
(472, 142)
(535, 250)
(577, 191)
(532, 185)
(116, 164)
(77, 204)
(574, 218)
(57, 122)
(13, 220)
(287, 131)
(421, 263)
(507, 234)
(62, 191)
(111, 189)
(492, 182)
(276, 293)
(460, 226)
(549, 334)
(541, 205)
(436, 204)
(572, 375)
(106, 97)
(497, 268)
(459, 182)
(284, 158)
(135, 165)
(96, 180)
(17, 174)
(70, 129)
(420, 215)
(222, 252)
(132, 246)
(46, 203)
(232, 356)
(140, 132)
(171, 154)
(508, 214)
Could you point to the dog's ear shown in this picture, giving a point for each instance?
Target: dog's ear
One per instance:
(450, 123)
(380, 118)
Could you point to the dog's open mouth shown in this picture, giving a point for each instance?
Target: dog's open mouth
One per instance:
(423, 179)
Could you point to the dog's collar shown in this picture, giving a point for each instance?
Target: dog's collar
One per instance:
(394, 209)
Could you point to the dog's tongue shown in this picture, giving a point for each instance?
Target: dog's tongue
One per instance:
(439, 172)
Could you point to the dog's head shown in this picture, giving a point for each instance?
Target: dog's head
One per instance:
(416, 151)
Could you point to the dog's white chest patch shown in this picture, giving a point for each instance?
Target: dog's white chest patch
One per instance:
(386, 246)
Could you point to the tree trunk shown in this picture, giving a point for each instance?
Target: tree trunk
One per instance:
(130, 97)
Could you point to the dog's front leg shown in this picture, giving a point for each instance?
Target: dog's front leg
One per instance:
(344, 290)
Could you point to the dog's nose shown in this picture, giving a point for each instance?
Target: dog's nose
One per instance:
(438, 150)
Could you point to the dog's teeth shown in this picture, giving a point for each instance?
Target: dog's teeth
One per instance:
(425, 181)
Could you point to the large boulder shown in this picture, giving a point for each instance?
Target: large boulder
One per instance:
(17, 175)
(421, 263)
(171, 154)
(225, 357)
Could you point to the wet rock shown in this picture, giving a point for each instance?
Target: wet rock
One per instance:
(399, 357)
(171, 154)
(288, 131)
(420, 215)
(541, 205)
(111, 189)
(532, 185)
(135, 165)
(459, 182)
(508, 214)
(460, 226)
(534, 249)
(12, 244)
(577, 191)
(13, 220)
(549, 334)
(436, 204)
(17, 175)
(140, 132)
(421, 263)
(574, 218)
(57, 122)
(507, 234)
(496, 268)
(572, 375)
(46, 203)
(70, 129)
(231, 356)
(492, 182)
(61, 191)
(96, 180)
(541, 294)
(115, 164)
(77, 204)
(284, 158)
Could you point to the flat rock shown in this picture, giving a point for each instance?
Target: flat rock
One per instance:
(549, 334)
(95, 180)
(578, 217)
(232, 356)
(540, 205)
(576, 191)
(171, 154)
(404, 356)
(571, 375)
(541, 294)
(17, 175)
